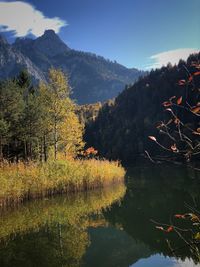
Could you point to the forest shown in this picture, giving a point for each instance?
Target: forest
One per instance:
(42, 151)
(32, 120)
(161, 105)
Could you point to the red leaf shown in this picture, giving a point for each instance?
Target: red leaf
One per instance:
(170, 229)
(152, 138)
(196, 73)
(174, 148)
(195, 109)
(190, 78)
(166, 104)
(182, 82)
(177, 121)
(179, 216)
(179, 100)
(91, 151)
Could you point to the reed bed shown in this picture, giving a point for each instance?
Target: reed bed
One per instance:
(20, 181)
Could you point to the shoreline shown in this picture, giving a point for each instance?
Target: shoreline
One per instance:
(22, 182)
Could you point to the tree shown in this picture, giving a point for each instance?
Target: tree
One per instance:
(71, 135)
(61, 123)
(32, 120)
(4, 128)
(23, 80)
(11, 110)
(31, 125)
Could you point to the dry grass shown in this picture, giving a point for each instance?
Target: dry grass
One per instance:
(27, 181)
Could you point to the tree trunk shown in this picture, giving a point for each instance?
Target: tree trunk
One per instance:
(1, 149)
(25, 151)
(40, 148)
(45, 148)
(55, 140)
(31, 151)
(8, 151)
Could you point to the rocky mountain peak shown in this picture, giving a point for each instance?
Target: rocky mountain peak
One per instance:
(50, 44)
(49, 33)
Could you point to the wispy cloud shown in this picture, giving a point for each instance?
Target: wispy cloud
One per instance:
(22, 18)
(172, 56)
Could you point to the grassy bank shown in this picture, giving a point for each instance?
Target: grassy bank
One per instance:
(28, 181)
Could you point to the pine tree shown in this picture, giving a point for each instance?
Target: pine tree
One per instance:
(11, 110)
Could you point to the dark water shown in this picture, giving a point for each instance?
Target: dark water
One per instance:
(109, 228)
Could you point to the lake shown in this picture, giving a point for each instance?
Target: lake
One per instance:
(104, 228)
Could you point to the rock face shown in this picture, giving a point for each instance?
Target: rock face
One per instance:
(49, 44)
(12, 61)
(91, 77)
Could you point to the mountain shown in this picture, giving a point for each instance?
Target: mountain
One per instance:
(122, 127)
(12, 61)
(91, 77)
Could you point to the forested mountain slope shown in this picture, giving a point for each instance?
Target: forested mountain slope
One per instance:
(122, 128)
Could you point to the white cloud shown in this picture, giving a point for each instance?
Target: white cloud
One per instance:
(22, 18)
(172, 56)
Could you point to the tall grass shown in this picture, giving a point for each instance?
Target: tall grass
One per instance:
(22, 181)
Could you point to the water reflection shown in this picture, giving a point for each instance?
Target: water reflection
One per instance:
(157, 192)
(53, 232)
(109, 228)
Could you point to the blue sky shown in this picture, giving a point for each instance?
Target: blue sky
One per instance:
(135, 33)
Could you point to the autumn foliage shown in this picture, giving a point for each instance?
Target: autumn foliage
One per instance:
(21, 181)
(90, 151)
(182, 128)
(190, 235)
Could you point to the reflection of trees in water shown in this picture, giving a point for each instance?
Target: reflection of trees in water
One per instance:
(36, 214)
(55, 245)
(156, 193)
(52, 232)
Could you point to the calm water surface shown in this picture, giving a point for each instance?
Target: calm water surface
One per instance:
(109, 228)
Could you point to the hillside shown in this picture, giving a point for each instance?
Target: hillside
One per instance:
(122, 128)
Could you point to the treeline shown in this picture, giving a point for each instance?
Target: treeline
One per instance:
(122, 128)
(38, 122)
(88, 112)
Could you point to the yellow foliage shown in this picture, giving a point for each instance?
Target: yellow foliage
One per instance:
(32, 180)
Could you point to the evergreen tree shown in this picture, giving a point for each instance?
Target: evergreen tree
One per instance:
(32, 120)
(11, 110)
